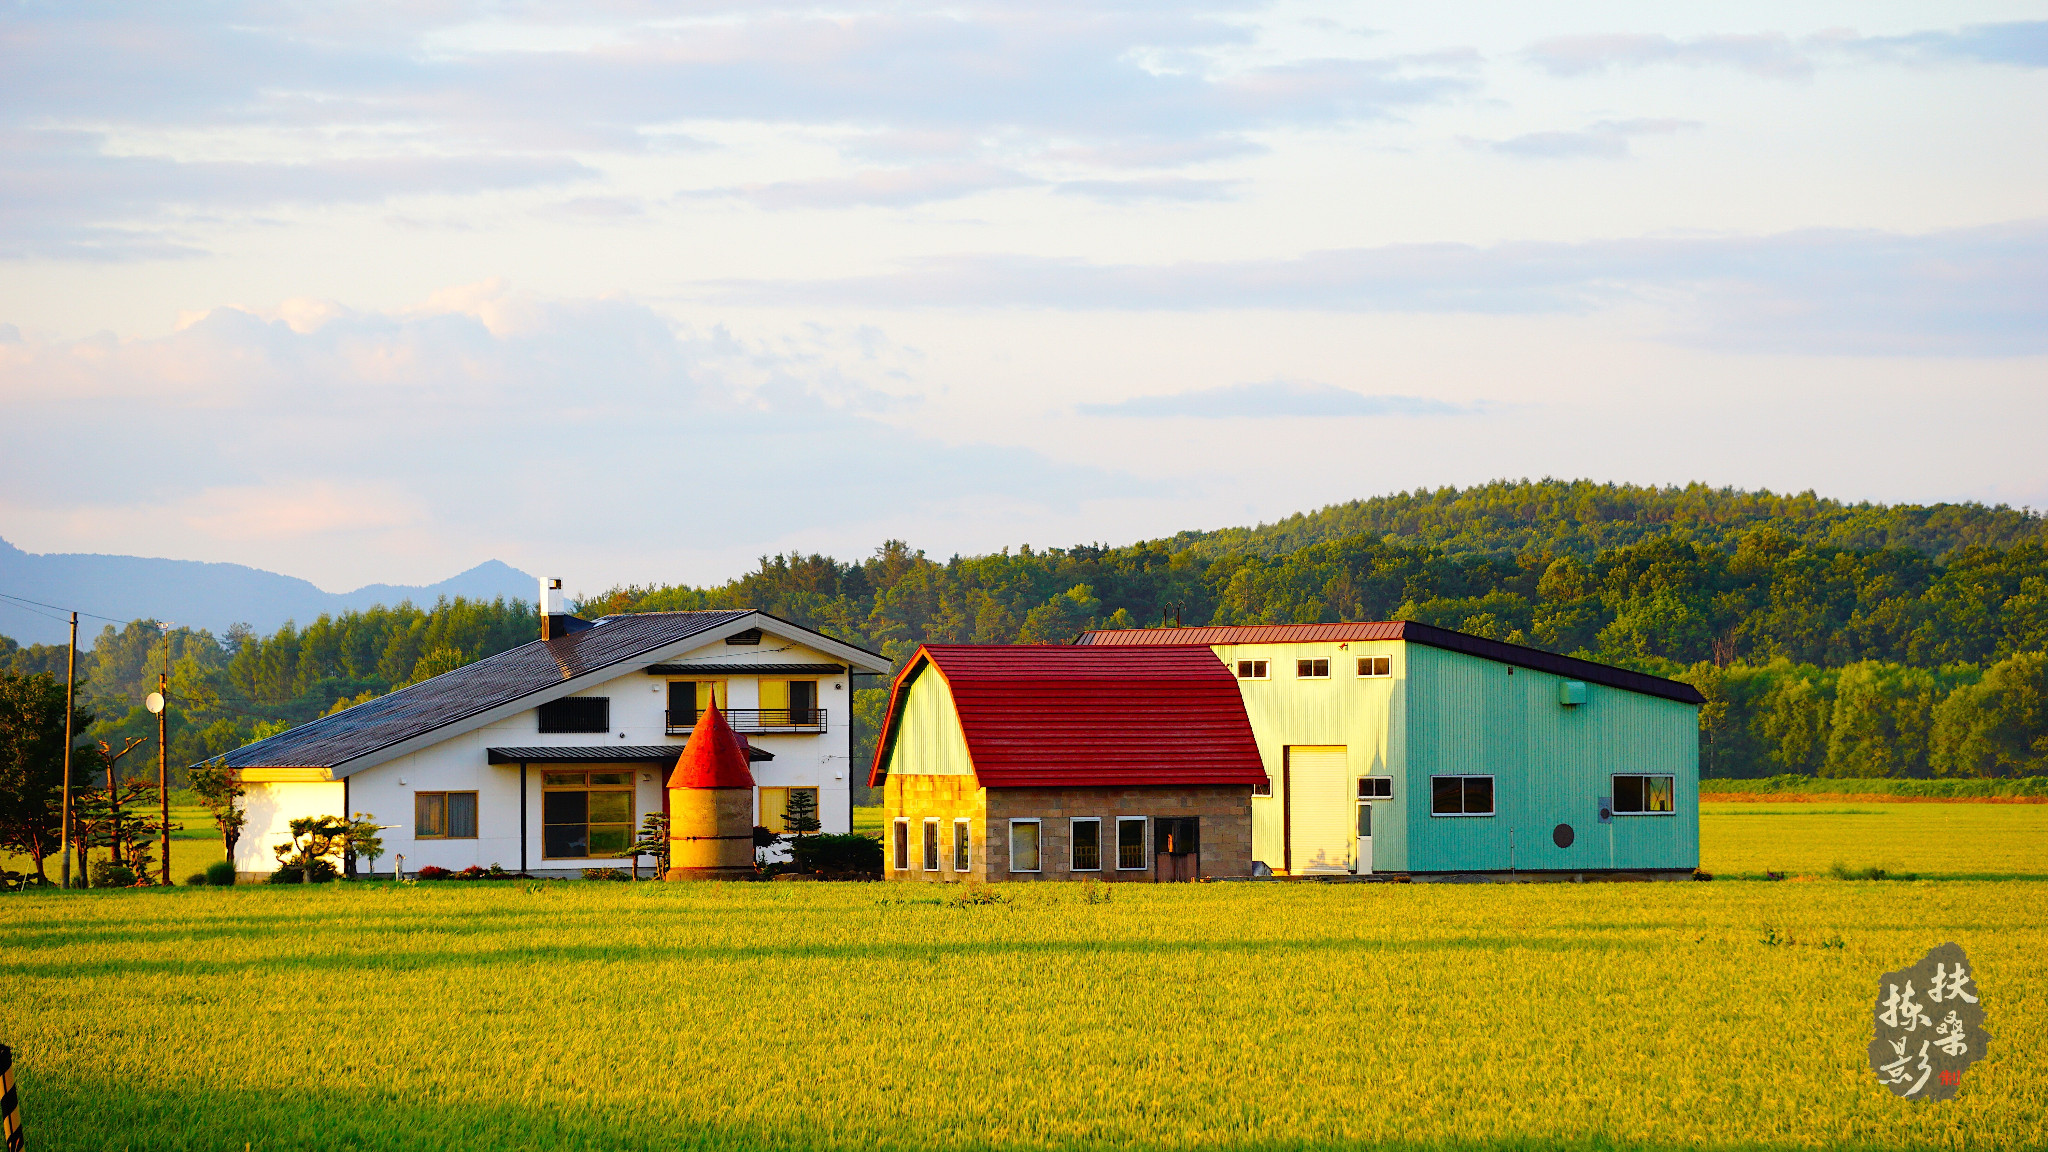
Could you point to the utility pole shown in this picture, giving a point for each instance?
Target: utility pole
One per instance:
(70, 687)
(163, 755)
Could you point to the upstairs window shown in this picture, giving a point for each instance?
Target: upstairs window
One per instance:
(577, 714)
(1643, 795)
(1375, 787)
(1375, 665)
(1251, 669)
(1461, 795)
(689, 699)
(1312, 669)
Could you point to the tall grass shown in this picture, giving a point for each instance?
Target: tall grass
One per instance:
(614, 1016)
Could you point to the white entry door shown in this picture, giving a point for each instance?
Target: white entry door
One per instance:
(1364, 860)
(1320, 810)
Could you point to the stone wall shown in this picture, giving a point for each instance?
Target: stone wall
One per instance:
(1225, 814)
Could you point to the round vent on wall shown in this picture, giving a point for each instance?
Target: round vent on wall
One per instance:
(1562, 835)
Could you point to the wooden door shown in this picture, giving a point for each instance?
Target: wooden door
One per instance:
(1176, 848)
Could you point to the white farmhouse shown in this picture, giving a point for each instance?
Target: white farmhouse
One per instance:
(546, 758)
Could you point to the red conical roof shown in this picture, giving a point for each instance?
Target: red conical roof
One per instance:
(714, 757)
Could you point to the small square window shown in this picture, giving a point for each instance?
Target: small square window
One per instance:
(1263, 787)
(1375, 666)
(1312, 669)
(1086, 848)
(1375, 787)
(1251, 669)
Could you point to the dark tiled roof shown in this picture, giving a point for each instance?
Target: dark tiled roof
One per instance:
(745, 669)
(1415, 633)
(604, 754)
(1069, 717)
(374, 725)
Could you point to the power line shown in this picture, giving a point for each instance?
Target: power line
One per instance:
(55, 608)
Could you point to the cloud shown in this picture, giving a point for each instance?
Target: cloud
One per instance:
(1185, 188)
(1604, 140)
(1969, 292)
(1777, 56)
(1272, 399)
(877, 187)
(484, 413)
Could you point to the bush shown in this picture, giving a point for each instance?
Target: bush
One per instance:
(432, 872)
(196, 880)
(323, 871)
(847, 853)
(107, 874)
(221, 874)
(607, 874)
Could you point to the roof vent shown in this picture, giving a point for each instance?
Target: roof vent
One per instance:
(750, 636)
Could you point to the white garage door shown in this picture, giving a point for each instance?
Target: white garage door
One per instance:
(1322, 809)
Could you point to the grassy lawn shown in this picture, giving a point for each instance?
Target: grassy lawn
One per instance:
(573, 1015)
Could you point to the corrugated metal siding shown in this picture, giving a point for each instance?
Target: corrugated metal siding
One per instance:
(928, 739)
(1062, 716)
(1551, 763)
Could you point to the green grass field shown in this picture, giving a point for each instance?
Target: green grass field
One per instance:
(1932, 841)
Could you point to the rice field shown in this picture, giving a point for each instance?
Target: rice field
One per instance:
(575, 1015)
(1946, 841)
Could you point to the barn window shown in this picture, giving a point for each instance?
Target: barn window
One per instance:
(900, 857)
(1251, 669)
(577, 714)
(1643, 795)
(931, 844)
(1130, 843)
(962, 845)
(1312, 669)
(444, 815)
(1024, 845)
(1087, 845)
(1375, 787)
(1461, 795)
(1375, 666)
(585, 814)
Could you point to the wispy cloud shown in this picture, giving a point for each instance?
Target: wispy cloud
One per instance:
(1971, 292)
(1603, 140)
(1778, 56)
(1273, 399)
(1185, 188)
(877, 187)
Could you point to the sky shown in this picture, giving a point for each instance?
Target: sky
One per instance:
(630, 292)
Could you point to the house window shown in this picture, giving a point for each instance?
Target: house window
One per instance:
(1375, 666)
(577, 714)
(444, 815)
(899, 858)
(1086, 853)
(931, 844)
(1024, 845)
(688, 699)
(775, 807)
(1130, 843)
(788, 703)
(1312, 669)
(585, 814)
(1643, 796)
(1251, 670)
(1375, 787)
(1461, 795)
(1263, 787)
(961, 846)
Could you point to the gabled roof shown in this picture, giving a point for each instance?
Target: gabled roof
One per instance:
(1060, 716)
(1415, 633)
(496, 686)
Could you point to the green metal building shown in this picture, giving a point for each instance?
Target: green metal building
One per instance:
(1402, 747)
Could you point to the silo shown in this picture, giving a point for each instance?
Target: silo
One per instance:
(711, 805)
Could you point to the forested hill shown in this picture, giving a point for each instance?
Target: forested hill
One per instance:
(1580, 517)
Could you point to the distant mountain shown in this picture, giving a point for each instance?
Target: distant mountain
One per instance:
(202, 595)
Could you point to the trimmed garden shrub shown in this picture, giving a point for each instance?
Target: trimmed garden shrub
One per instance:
(221, 874)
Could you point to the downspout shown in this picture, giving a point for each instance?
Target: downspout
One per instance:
(850, 690)
(348, 865)
(522, 817)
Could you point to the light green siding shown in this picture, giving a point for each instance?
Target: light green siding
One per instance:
(1361, 714)
(1550, 763)
(929, 739)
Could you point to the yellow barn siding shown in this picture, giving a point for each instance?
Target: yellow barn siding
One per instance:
(929, 739)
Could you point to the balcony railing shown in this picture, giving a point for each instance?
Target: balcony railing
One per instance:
(754, 721)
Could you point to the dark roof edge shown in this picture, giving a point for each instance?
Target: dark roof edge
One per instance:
(1570, 667)
(743, 669)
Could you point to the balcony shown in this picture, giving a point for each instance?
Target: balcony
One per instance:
(754, 721)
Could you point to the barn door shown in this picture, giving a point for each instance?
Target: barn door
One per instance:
(1322, 810)
(1177, 848)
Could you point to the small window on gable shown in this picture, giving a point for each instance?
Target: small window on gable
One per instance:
(1375, 666)
(750, 636)
(576, 714)
(1375, 787)
(1251, 669)
(1312, 669)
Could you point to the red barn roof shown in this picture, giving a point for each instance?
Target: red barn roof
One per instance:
(715, 757)
(1409, 630)
(1060, 716)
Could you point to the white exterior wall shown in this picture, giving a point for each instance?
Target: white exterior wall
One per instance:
(270, 809)
(639, 702)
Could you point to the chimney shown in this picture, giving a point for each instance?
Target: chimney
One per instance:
(554, 611)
